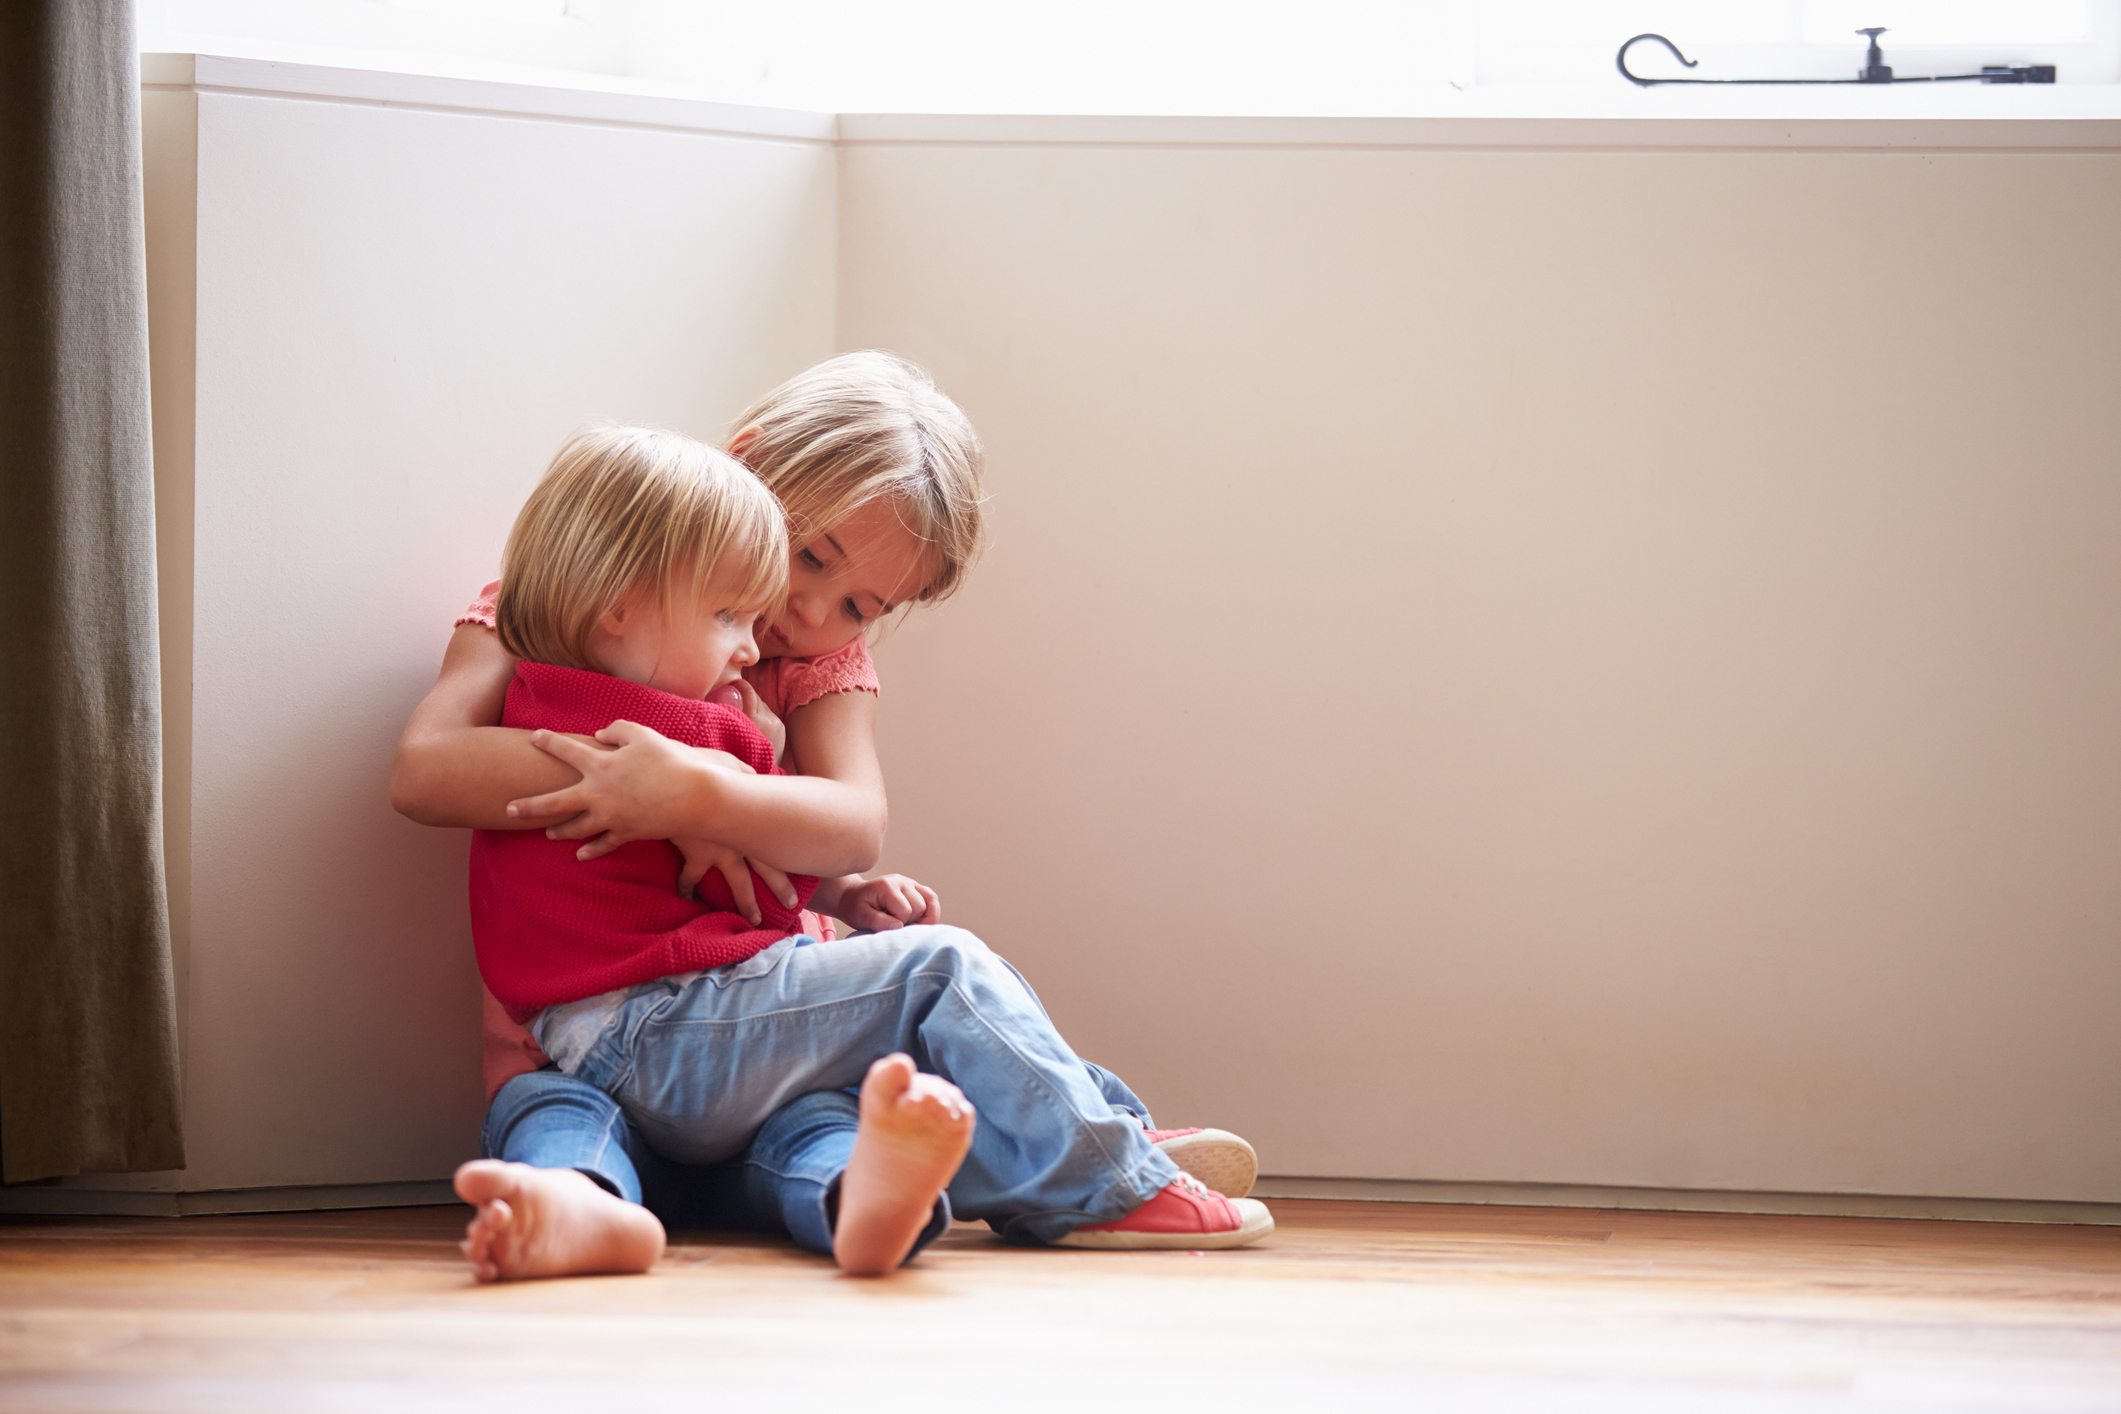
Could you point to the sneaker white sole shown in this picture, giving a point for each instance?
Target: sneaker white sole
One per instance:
(1258, 1222)
(1217, 1158)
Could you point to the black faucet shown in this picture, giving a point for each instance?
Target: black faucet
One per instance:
(1874, 67)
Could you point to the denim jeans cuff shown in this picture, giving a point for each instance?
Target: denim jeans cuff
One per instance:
(1149, 1177)
(938, 1224)
(811, 1211)
(604, 1181)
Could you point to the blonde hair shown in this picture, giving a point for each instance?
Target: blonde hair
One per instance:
(621, 509)
(865, 427)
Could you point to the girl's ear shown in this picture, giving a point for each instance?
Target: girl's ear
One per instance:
(743, 440)
(614, 620)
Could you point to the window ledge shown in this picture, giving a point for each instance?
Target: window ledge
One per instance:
(2072, 118)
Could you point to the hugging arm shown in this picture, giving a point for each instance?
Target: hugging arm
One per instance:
(833, 735)
(456, 766)
(827, 822)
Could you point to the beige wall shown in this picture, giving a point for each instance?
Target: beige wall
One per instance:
(387, 304)
(1514, 664)
(1529, 652)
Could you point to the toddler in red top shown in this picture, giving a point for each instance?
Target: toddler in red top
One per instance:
(633, 578)
(550, 928)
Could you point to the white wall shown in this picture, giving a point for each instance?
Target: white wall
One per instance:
(1557, 653)
(1501, 662)
(407, 292)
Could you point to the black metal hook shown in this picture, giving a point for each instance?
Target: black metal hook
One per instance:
(1875, 69)
(1621, 59)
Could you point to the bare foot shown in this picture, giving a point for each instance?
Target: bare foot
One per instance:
(535, 1222)
(914, 1132)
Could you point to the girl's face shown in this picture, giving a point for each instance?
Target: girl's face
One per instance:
(843, 580)
(684, 647)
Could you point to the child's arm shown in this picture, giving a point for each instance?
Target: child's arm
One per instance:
(838, 737)
(457, 767)
(828, 821)
(456, 764)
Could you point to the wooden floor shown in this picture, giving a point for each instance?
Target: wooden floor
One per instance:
(1350, 1306)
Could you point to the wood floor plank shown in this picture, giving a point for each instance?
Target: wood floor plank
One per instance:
(1350, 1306)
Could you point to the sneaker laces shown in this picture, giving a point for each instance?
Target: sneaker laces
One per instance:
(1194, 1186)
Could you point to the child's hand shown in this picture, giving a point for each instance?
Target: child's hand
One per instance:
(889, 901)
(636, 785)
(703, 855)
(775, 730)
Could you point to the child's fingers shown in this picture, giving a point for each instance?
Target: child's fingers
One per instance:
(738, 878)
(601, 845)
(537, 807)
(575, 753)
(754, 706)
(689, 877)
(580, 826)
(906, 905)
(911, 900)
(760, 714)
(877, 905)
(907, 901)
(619, 733)
(776, 883)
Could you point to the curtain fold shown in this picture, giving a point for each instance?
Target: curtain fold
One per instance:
(88, 1055)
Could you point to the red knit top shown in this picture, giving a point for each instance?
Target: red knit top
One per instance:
(549, 928)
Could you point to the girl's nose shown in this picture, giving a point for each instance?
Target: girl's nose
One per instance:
(747, 648)
(808, 609)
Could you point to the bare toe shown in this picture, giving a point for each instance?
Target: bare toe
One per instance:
(932, 1100)
(481, 1181)
(486, 1227)
(535, 1222)
(914, 1132)
(889, 1077)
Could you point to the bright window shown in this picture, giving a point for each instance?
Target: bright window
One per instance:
(1181, 56)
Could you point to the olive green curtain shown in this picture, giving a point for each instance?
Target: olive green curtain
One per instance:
(88, 1057)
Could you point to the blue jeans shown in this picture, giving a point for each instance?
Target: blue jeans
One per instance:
(701, 1064)
(787, 1181)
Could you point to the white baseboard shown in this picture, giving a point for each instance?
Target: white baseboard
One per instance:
(52, 1201)
(1691, 1200)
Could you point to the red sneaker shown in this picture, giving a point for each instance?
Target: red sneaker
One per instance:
(1216, 1157)
(1183, 1215)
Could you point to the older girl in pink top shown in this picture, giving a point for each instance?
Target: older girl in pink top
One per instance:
(878, 472)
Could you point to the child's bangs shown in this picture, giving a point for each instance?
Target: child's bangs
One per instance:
(913, 502)
(865, 426)
(742, 563)
(943, 553)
